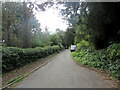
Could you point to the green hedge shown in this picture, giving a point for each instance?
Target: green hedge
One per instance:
(107, 59)
(13, 57)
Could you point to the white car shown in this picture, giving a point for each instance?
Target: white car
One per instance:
(73, 48)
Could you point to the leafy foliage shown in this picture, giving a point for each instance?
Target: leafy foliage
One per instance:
(70, 35)
(97, 34)
(83, 45)
(13, 57)
(20, 28)
(94, 27)
(19, 24)
(106, 59)
(96, 22)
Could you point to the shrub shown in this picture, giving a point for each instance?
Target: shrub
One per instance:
(107, 59)
(114, 59)
(13, 57)
(84, 45)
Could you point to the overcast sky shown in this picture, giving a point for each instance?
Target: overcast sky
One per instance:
(52, 19)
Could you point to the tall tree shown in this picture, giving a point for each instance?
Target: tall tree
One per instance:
(18, 26)
(70, 35)
(101, 22)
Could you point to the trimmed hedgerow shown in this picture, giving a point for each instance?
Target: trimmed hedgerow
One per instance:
(107, 59)
(13, 57)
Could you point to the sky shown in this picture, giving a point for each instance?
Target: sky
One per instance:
(52, 19)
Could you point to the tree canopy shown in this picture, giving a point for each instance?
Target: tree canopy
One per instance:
(97, 20)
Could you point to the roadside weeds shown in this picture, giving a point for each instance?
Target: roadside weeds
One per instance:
(105, 75)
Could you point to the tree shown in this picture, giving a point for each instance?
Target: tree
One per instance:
(103, 19)
(101, 22)
(18, 24)
(70, 35)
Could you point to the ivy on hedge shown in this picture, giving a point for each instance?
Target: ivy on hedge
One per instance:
(13, 57)
(107, 59)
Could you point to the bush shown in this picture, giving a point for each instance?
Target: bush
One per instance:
(114, 59)
(82, 45)
(107, 59)
(13, 57)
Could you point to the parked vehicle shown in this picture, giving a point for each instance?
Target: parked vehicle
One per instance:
(73, 48)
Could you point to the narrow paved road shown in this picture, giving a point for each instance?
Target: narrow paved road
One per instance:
(63, 72)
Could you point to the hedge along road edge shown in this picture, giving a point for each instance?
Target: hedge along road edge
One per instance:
(23, 76)
(13, 57)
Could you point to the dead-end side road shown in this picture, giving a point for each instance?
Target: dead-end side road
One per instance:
(63, 72)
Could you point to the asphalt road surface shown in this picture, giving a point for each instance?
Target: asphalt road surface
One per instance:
(63, 72)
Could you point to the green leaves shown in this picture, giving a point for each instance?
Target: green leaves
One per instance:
(13, 57)
(104, 59)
